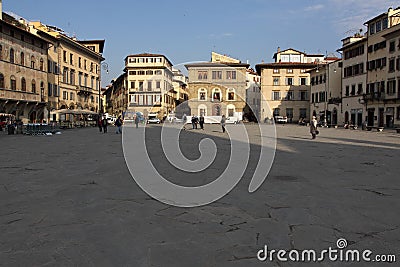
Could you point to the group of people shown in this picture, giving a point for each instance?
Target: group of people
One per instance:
(200, 120)
(102, 123)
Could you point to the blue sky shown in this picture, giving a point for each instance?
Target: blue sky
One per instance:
(186, 30)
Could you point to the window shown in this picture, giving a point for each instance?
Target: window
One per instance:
(1, 52)
(149, 72)
(84, 64)
(80, 78)
(1, 80)
(72, 77)
(303, 95)
(290, 95)
(347, 90)
(391, 65)
(33, 86)
(41, 65)
(65, 56)
(22, 59)
(231, 95)
(65, 75)
(276, 81)
(71, 59)
(71, 96)
(289, 81)
(372, 28)
(158, 84)
(276, 71)
(50, 89)
(92, 82)
(132, 84)
(158, 72)
(80, 62)
(384, 23)
(231, 75)
(140, 86)
(11, 55)
(289, 71)
(360, 89)
(231, 112)
(86, 80)
(13, 83)
(132, 72)
(149, 85)
(65, 95)
(353, 89)
(217, 75)
(391, 87)
(392, 46)
(216, 95)
(276, 95)
(202, 75)
(23, 84)
(378, 26)
(303, 81)
(91, 66)
(32, 62)
(202, 94)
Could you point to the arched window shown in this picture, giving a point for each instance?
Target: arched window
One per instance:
(13, 83)
(41, 66)
(230, 94)
(216, 95)
(32, 62)
(22, 58)
(23, 84)
(11, 55)
(33, 86)
(1, 80)
(202, 94)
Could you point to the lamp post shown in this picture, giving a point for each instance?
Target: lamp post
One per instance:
(104, 66)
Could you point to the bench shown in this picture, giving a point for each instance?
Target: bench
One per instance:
(378, 129)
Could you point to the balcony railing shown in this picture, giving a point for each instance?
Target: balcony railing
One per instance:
(374, 96)
(19, 95)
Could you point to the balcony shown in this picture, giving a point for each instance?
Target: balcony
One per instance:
(84, 90)
(374, 96)
(19, 96)
(335, 100)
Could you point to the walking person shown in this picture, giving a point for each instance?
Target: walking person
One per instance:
(100, 123)
(137, 121)
(104, 122)
(313, 127)
(201, 121)
(223, 120)
(118, 123)
(194, 122)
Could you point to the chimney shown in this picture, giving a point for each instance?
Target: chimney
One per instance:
(1, 10)
(279, 49)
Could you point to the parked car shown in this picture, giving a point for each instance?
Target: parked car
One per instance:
(231, 120)
(281, 119)
(152, 118)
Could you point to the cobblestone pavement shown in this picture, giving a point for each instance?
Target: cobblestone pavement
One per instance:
(69, 200)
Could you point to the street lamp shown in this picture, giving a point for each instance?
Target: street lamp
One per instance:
(104, 66)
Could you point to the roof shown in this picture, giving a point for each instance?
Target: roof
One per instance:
(99, 42)
(215, 64)
(352, 44)
(149, 55)
(283, 65)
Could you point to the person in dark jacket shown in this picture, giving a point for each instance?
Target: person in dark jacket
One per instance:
(118, 123)
(201, 121)
(104, 122)
(100, 123)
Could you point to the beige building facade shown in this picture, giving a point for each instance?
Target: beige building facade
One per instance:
(382, 99)
(217, 88)
(149, 82)
(285, 85)
(23, 71)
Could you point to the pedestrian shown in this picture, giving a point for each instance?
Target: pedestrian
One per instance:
(313, 127)
(105, 124)
(223, 123)
(137, 121)
(201, 121)
(194, 126)
(118, 123)
(184, 119)
(99, 123)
